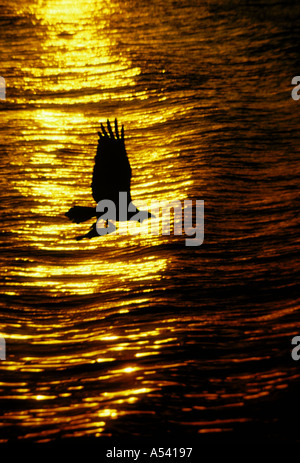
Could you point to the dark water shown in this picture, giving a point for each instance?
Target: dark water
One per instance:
(144, 336)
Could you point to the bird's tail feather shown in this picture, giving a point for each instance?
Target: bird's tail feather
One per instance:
(80, 214)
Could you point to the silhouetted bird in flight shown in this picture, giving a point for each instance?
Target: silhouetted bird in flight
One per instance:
(111, 176)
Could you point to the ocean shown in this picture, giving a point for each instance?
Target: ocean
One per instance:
(142, 336)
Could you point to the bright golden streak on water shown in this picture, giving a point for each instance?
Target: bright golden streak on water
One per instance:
(44, 397)
(138, 270)
(129, 369)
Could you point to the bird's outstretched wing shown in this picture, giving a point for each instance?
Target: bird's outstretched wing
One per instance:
(112, 171)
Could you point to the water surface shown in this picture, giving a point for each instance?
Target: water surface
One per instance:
(142, 335)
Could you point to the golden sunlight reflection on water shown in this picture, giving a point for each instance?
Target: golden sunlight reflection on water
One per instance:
(140, 332)
(58, 167)
(57, 171)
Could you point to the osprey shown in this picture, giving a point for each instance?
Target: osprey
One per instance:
(111, 182)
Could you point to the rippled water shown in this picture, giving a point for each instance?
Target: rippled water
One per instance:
(142, 335)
